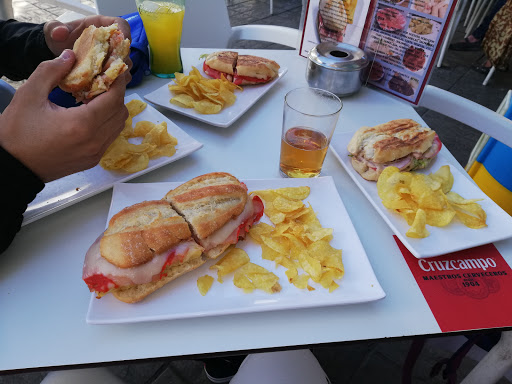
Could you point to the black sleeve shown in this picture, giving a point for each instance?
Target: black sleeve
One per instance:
(19, 187)
(23, 47)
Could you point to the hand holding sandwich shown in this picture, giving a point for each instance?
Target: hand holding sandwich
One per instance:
(53, 141)
(60, 36)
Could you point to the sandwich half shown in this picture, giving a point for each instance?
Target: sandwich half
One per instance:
(218, 210)
(401, 143)
(144, 247)
(240, 69)
(149, 244)
(100, 54)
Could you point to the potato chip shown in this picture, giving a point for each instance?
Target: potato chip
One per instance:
(206, 107)
(294, 193)
(427, 200)
(204, 283)
(285, 205)
(418, 228)
(260, 229)
(252, 276)
(311, 266)
(206, 96)
(445, 177)
(135, 107)
(233, 260)
(123, 155)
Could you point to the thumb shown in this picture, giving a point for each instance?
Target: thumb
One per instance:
(49, 73)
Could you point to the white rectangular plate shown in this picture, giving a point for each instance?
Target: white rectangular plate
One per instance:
(181, 298)
(455, 236)
(71, 189)
(227, 116)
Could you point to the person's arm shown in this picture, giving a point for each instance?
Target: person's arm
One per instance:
(19, 187)
(23, 47)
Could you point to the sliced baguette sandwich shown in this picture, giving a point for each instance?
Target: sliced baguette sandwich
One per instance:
(402, 143)
(149, 244)
(145, 246)
(100, 54)
(240, 69)
(217, 208)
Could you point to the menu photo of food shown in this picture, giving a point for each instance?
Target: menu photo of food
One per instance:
(436, 8)
(415, 58)
(375, 72)
(403, 84)
(386, 48)
(334, 18)
(390, 19)
(424, 30)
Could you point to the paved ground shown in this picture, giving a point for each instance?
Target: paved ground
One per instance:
(359, 362)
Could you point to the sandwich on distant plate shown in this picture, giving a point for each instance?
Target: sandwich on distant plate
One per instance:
(240, 69)
(149, 244)
(100, 54)
(401, 143)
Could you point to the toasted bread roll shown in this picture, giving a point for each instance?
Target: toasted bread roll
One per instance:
(403, 143)
(100, 54)
(207, 202)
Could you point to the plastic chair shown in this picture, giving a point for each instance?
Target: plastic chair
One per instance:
(216, 30)
(496, 139)
(468, 112)
(489, 166)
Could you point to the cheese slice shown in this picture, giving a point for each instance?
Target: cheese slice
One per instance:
(95, 264)
(222, 234)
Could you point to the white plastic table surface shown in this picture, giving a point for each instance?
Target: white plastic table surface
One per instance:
(43, 300)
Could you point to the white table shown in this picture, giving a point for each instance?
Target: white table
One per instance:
(43, 300)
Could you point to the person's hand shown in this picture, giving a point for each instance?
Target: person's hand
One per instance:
(60, 36)
(53, 141)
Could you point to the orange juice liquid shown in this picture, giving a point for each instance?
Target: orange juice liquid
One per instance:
(302, 152)
(163, 23)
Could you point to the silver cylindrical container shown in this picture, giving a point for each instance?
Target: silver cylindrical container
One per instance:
(336, 67)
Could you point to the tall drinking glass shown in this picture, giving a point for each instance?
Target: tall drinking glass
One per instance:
(163, 22)
(310, 116)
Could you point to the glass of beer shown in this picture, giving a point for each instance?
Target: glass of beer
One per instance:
(309, 118)
(163, 22)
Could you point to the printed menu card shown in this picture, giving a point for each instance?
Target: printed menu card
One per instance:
(465, 290)
(401, 37)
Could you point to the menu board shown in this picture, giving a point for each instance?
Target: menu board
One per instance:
(401, 37)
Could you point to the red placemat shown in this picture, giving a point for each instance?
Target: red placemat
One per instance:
(470, 289)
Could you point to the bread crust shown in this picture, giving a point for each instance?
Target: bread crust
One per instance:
(231, 63)
(97, 50)
(366, 172)
(391, 141)
(255, 66)
(208, 201)
(223, 61)
(138, 232)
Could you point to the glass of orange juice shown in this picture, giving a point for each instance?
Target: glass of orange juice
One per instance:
(163, 22)
(310, 116)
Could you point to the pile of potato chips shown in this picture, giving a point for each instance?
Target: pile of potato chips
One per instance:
(427, 199)
(297, 241)
(206, 96)
(248, 276)
(125, 156)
